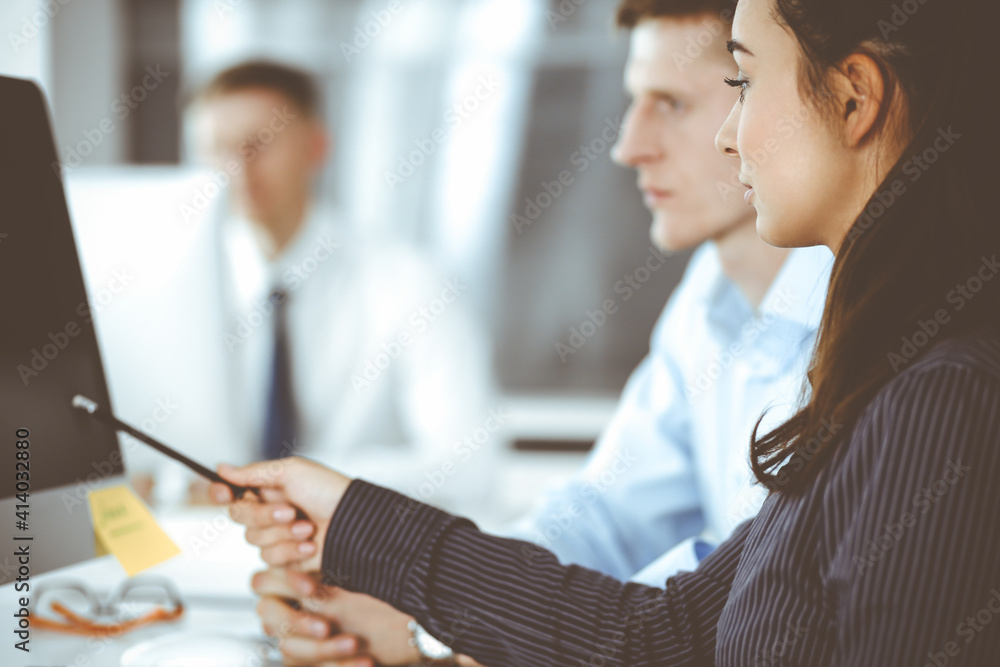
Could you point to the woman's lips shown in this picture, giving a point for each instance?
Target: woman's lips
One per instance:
(748, 196)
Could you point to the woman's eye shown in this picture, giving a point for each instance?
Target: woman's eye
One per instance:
(739, 83)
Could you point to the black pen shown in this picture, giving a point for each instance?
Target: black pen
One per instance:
(91, 407)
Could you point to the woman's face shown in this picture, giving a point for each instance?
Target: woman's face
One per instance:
(804, 180)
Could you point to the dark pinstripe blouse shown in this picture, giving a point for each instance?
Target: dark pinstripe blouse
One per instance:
(891, 558)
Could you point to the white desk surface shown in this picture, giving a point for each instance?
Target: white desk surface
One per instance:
(212, 574)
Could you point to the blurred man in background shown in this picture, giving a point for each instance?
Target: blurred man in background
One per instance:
(354, 353)
(669, 478)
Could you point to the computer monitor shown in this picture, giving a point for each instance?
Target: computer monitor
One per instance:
(48, 353)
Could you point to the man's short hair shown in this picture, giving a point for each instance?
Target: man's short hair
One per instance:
(631, 12)
(296, 85)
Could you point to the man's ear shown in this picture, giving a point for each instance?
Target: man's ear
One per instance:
(859, 88)
(320, 144)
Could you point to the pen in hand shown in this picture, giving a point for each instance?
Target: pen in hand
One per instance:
(91, 407)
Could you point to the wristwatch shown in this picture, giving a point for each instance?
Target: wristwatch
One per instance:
(432, 651)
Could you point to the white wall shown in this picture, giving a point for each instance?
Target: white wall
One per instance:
(25, 39)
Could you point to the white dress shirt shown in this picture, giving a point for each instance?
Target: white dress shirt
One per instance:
(390, 374)
(670, 476)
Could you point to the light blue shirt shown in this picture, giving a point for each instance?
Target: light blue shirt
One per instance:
(670, 476)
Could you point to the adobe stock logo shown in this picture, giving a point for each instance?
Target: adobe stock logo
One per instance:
(959, 298)
(248, 150)
(426, 147)
(562, 12)
(581, 158)
(596, 319)
(121, 108)
(968, 630)
(420, 321)
(31, 27)
(45, 354)
(900, 16)
(891, 533)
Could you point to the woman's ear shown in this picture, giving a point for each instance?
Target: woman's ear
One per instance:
(859, 89)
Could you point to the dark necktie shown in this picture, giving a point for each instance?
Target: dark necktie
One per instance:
(281, 420)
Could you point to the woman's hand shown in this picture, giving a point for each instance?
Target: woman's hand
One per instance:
(333, 626)
(287, 484)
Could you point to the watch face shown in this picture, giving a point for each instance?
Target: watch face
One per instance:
(431, 647)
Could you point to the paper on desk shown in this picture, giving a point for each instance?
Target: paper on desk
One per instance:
(124, 527)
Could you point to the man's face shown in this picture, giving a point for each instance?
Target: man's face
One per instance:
(668, 135)
(274, 149)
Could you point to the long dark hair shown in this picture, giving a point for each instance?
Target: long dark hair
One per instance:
(926, 231)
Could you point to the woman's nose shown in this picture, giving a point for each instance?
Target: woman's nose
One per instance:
(725, 140)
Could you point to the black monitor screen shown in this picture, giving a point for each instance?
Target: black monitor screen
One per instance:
(48, 350)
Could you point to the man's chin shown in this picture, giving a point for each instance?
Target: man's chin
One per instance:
(666, 236)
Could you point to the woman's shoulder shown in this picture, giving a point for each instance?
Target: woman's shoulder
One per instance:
(959, 375)
(976, 351)
(943, 410)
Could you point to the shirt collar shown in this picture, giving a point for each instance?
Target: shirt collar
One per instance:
(798, 292)
(251, 273)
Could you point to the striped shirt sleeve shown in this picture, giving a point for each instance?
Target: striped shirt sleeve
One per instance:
(508, 602)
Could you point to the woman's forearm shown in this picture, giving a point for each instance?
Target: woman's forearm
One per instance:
(507, 602)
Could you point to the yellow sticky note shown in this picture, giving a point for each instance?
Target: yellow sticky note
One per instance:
(124, 527)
